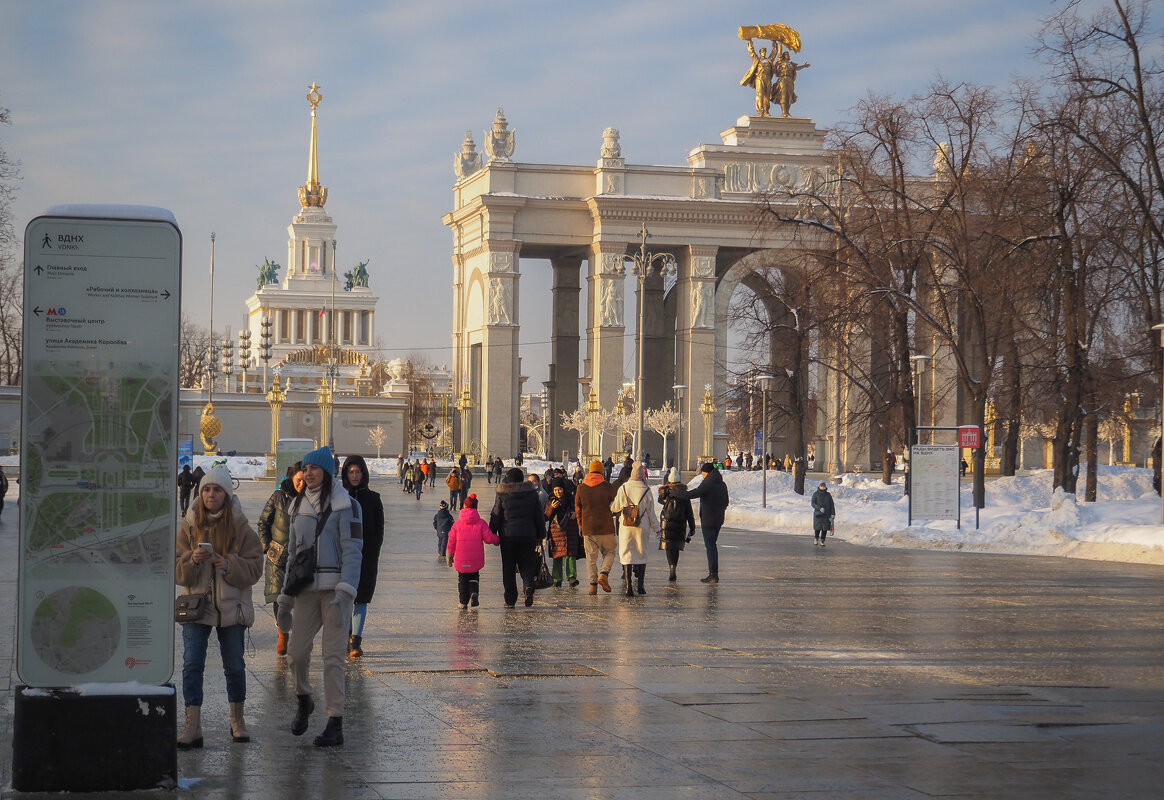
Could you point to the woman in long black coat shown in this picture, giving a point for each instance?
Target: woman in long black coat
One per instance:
(355, 480)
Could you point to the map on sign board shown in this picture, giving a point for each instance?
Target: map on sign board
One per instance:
(99, 454)
(934, 478)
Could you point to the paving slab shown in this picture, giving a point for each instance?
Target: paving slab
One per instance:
(849, 672)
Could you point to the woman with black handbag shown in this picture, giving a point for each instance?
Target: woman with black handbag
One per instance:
(218, 559)
(319, 591)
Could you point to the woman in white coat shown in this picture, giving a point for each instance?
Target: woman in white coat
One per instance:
(632, 539)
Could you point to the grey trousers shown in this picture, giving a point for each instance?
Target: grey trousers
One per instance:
(313, 611)
(596, 546)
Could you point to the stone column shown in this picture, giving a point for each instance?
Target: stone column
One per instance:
(658, 359)
(499, 393)
(607, 295)
(564, 338)
(695, 343)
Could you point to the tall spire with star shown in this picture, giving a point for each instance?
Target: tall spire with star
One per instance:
(311, 194)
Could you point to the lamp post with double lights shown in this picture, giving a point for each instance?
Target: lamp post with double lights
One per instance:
(244, 355)
(643, 265)
(680, 391)
(765, 382)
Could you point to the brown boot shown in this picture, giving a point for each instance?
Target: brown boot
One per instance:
(594, 588)
(191, 735)
(281, 643)
(238, 726)
(605, 584)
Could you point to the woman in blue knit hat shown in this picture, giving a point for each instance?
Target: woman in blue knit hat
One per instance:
(326, 517)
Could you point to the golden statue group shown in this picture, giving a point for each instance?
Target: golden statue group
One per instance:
(773, 75)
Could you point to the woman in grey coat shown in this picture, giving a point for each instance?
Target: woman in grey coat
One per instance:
(326, 517)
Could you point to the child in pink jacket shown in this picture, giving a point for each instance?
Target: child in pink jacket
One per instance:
(466, 550)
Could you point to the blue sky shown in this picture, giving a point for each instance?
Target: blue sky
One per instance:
(200, 108)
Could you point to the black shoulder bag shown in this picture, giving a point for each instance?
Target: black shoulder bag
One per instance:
(301, 569)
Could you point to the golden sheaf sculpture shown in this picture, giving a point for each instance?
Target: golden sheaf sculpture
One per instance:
(773, 33)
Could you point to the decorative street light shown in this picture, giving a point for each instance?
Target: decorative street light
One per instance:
(707, 409)
(464, 405)
(765, 382)
(643, 265)
(592, 410)
(244, 355)
(545, 426)
(680, 391)
(265, 339)
(210, 426)
(227, 359)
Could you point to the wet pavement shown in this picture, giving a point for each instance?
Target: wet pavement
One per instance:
(806, 673)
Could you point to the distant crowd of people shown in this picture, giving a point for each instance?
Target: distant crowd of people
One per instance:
(317, 550)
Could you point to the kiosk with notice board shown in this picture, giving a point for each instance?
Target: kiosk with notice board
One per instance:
(98, 512)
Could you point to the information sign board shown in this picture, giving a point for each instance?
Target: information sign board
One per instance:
(970, 436)
(933, 488)
(99, 413)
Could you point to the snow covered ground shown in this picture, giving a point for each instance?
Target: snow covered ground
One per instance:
(1021, 515)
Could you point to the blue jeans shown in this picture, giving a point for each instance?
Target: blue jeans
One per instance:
(230, 645)
(710, 535)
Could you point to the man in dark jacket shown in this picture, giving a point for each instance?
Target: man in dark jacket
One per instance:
(185, 484)
(442, 522)
(712, 494)
(823, 512)
(518, 520)
(354, 477)
(596, 524)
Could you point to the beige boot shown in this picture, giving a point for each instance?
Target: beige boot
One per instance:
(191, 735)
(238, 726)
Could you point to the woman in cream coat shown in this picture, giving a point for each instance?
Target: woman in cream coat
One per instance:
(632, 540)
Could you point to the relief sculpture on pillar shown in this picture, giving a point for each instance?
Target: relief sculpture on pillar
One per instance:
(501, 262)
(610, 302)
(500, 301)
(701, 300)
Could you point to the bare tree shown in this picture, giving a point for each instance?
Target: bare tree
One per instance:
(663, 421)
(194, 353)
(11, 273)
(576, 420)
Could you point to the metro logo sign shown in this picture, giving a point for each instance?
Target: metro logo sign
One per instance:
(969, 436)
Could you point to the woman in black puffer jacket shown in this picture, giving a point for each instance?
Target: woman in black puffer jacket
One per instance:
(355, 480)
(518, 521)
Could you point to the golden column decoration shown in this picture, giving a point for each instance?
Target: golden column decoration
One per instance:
(275, 398)
(620, 415)
(465, 405)
(592, 409)
(209, 426)
(707, 409)
(323, 397)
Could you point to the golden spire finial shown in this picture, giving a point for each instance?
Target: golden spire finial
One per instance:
(312, 194)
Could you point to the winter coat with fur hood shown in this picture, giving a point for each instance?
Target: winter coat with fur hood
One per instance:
(230, 594)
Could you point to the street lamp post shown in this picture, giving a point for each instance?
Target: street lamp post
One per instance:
(265, 339)
(227, 359)
(244, 355)
(679, 390)
(332, 370)
(1160, 329)
(592, 409)
(765, 382)
(464, 405)
(643, 265)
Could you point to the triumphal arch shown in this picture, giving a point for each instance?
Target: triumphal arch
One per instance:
(509, 216)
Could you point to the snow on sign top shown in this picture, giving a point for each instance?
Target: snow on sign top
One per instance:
(112, 211)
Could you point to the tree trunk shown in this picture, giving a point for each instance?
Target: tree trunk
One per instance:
(1091, 430)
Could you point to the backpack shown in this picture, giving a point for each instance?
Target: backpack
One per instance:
(673, 517)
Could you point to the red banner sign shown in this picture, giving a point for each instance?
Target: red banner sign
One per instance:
(970, 436)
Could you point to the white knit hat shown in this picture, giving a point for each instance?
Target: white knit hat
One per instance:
(217, 476)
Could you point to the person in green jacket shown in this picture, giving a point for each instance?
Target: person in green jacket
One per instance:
(273, 526)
